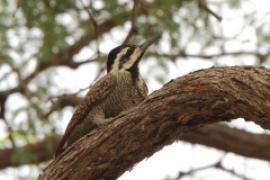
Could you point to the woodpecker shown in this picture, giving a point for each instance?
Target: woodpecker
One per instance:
(120, 89)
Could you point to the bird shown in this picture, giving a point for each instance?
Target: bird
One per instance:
(120, 89)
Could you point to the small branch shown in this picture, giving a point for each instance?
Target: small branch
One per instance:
(21, 87)
(75, 65)
(195, 170)
(202, 4)
(61, 102)
(183, 54)
(3, 99)
(132, 29)
(95, 25)
(16, 71)
(10, 131)
(217, 165)
(230, 171)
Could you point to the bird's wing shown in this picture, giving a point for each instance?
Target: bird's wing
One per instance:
(95, 95)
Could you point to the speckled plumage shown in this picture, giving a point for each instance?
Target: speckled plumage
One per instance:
(119, 90)
(110, 95)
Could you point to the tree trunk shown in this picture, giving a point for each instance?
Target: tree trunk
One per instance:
(186, 103)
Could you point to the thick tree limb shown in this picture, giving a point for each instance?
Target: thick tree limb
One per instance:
(215, 135)
(202, 97)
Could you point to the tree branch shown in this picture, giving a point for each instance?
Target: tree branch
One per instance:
(182, 54)
(202, 97)
(231, 140)
(133, 27)
(217, 165)
(202, 4)
(40, 152)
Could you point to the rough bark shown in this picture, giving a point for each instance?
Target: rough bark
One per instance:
(202, 97)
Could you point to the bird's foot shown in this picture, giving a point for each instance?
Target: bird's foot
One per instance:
(104, 123)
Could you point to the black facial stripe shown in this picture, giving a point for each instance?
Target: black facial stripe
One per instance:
(125, 58)
(111, 57)
(134, 69)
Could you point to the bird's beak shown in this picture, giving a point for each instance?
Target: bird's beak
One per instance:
(151, 41)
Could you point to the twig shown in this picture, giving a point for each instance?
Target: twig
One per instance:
(202, 4)
(132, 29)
(192, 171)
(10, 133)
(51, 98)
(61, 101)
(90, 60)
(217, 165)
(95, 25)
(221, 167)
(3, 98)
(18, 6)
(17, 72)
(5, 75)
(173, 57)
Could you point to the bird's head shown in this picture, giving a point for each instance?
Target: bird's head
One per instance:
(127, 57)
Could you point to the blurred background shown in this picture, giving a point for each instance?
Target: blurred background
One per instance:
(51, 51)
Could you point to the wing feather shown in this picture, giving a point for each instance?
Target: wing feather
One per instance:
(95, 95)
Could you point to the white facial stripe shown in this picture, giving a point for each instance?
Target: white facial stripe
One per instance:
(115, 66)
(133, 58)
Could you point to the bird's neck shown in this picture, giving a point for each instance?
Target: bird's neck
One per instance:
(133, 71)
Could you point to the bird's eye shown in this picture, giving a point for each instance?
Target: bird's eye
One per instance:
(127, 55)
